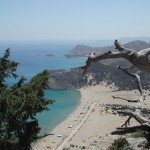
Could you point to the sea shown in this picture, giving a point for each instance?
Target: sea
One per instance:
(36, 56)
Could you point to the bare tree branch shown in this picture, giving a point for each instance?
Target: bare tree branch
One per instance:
(134, 75)
(128, 100)
(138, 81)
(141, 61)
(138, 59)
(125, 130)
(136, 115)
(127, 122)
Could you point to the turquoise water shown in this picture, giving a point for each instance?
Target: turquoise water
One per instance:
(32, 59)
(66, 102)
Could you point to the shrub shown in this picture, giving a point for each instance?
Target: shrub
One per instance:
(120, 144)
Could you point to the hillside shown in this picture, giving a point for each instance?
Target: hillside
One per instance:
(98, 73)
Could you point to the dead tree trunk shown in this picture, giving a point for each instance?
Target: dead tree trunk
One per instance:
(144, 122)
(141, 60)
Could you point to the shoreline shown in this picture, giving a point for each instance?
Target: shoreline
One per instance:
(38, 144)
(99, 123)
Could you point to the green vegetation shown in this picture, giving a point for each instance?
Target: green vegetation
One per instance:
(19, 105)
(140, 133)
(120, 144)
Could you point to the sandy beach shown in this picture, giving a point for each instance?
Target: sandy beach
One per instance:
(90, 125)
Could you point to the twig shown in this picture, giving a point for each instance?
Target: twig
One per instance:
(127, 122)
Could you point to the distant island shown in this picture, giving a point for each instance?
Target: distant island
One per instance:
(50, 55)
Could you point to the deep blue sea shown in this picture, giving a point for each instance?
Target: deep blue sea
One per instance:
(32, 58)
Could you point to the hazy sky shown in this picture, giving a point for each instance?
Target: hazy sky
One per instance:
(73, 19)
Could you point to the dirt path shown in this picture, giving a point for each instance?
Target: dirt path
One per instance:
(72, 134)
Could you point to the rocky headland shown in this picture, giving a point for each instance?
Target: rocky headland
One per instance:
(84, 51)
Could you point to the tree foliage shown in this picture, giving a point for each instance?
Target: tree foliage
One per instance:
(19, 105)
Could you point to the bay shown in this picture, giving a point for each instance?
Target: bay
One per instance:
(66, 102)
(36, 56)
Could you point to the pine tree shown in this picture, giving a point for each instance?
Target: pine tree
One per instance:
(19, 104)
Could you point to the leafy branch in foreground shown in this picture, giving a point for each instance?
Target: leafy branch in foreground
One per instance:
(19, 105)
(7, 68)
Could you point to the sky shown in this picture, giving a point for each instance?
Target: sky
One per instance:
(73, 19)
